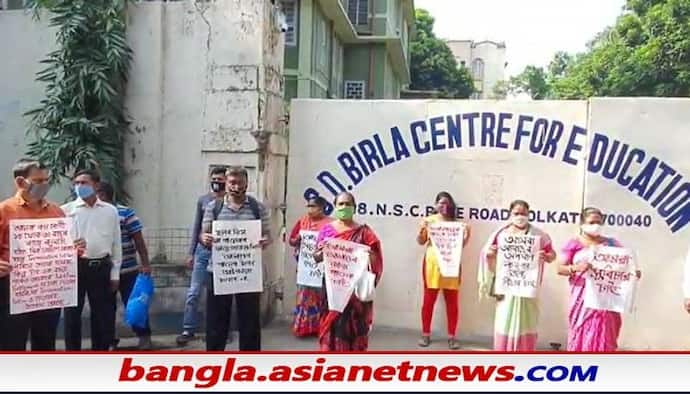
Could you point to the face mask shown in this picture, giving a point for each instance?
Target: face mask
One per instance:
(520, 220)
(217, 186)
(36, 191)
(591, 229)
(84, 191)
(344, 213)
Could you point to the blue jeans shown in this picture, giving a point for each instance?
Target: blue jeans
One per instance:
(191, 314)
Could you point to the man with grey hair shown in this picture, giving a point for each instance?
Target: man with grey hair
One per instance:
(236, 205)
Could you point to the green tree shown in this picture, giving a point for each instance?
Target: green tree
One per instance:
(646, 53)
(432, 64)
(500, 90)
(81, 123)
(533, 81)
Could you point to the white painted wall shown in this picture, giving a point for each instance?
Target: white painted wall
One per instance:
(205, 80)
(487, 177)
(18, 92)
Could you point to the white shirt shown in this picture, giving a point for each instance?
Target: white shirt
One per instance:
(99, 226)
(686, 277)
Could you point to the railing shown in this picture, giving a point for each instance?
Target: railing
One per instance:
(167, 245)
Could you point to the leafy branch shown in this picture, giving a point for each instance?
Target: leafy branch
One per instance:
(81, 122)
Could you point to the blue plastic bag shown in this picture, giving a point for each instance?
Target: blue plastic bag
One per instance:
(137, 310)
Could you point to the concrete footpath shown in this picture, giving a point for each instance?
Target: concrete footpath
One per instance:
(277, 336)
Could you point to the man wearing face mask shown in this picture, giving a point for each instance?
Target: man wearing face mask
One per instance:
(198, 257)
(31, 180)
(236, 205)
(99, 268)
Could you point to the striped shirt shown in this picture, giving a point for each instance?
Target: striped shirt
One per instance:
(243, 213)
(129, 226)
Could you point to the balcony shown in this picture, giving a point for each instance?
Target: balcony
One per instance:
(336, 10)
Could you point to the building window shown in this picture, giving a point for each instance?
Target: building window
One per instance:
(462, 63)
(289, 8)
(354, 90)
(358, 11)
(321, 38)
(478, 69)
(13, 4)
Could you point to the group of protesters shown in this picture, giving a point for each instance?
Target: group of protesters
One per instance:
(112, 253)
(516, 317)
(107, 238)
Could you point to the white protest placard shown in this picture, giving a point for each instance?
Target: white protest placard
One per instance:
(44, 265)
(309, 272)
(517, 266)
(610, 283)
(237, 257)
(345, 262)
(446, 241)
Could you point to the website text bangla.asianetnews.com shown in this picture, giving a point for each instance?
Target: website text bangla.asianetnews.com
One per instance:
(209, 375)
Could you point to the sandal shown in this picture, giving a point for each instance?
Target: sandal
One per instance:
(453, 344)
(424, 341)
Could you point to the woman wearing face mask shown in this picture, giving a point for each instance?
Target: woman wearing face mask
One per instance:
(349, 330)
(431, 274)
(307, 310)
(589, 330)
(516, 318)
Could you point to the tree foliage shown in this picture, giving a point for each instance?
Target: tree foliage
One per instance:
(533, 81)
(81, 122)
(645, 53)
(432, 64)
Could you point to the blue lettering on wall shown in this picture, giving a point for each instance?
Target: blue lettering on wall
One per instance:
(522, 130)
(538, 135)
(667, 189)
(573, 146)
(360, 160)
(650, 179)
(454, 129)
(370, 155)
(416, 128)
(597, 152)
(488, 125)
(330, 182)
(666, 170)
(502, 129)
(640, 183)
(382, 152)
(555, 133)
(437, 132)
(611, 170)
(471, 117)
(348, 165)
(638, 156)
(399, 146)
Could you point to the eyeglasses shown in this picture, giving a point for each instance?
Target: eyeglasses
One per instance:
(311, 206)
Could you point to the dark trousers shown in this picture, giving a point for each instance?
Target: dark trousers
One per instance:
(125, 289)
(218, 310)
(94, 282)
(40, 327)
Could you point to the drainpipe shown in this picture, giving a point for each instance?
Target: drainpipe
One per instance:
(370, 83)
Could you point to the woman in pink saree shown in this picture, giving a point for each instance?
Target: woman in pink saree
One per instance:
(589, 330)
